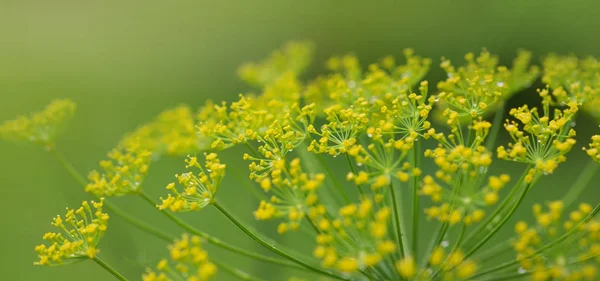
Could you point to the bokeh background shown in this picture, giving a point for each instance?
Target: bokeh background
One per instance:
(125, 61)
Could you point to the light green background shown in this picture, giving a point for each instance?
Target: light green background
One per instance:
(125, 61)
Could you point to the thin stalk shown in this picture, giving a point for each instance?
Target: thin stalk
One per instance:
(555, 242)
(496, 124)
(502, 222)
(415, 200)
(454, 249)
(236, 272)
(273, 248)
(399, 239)
(435, 240)
(582, 181)
(217, 242)
(360, 188)
(334, 179)
(481, 227)
(108, 268)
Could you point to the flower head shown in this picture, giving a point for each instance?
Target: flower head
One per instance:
(541, 139)
(575, 258)
(40, 127)
(122, 173)
(188, 261)
(594, 148)
(80, 232)
(293, 58)
(199, 190)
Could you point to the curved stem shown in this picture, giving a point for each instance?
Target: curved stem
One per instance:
(274, 248)
(215, 241)
(397, 222)
(502, 222)
(588, 173)
(108, 268)
(564, 237)
(496, 124)
(415, 200)
(236, 272)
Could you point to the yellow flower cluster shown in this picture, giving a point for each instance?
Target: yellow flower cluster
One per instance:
(40, 127)
(293, 58)
(293, 192)
(594, 148)
(452, 266)
(356, 239)
(349, 82)
(465, 191)
(572, 79)
(575, 258)
(199, 190)
(481, 85)
(340, 133)
(172, 132)
(542, 140)
(188, 261)
(80, 233)
(122, 173)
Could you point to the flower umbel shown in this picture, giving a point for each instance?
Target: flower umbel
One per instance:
(40, 127)
(199, 190)
(188, 261)
(80, 232)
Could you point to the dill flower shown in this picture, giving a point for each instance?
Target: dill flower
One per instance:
(449, 266)
(188, 261)
(542, 139)
(293, 57)
(575, 258)
(356, 239)
(572, 79)
(199, 190)
(41, 127)
(482, 85)
(80, 232)
(122, 173)
(461, 188)
(594, 148)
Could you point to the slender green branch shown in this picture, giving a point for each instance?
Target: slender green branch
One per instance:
(399, 239)
(502, 222)
(334, 179)
(108, 268)
(215, 241)
(273, 248)
(237, 272)
(588, 173)
(69, 167)
(555, 242)
(360, 188)
(496, 124)
(415, 200)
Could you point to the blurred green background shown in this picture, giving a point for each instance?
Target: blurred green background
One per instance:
(125, 61)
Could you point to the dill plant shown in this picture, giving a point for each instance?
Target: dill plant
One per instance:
(378, 120)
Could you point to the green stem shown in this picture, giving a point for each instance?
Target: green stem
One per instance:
(415, 200)
(399, 239)
(496, 124)
(236, 272)
(360, 188)
(334, 179)
(555, 242)
(588, 173)
(273, 248)
(481, 227)
(454, 249)
(108, 268)
(502, 222)
(215, 241)
(69, 167)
